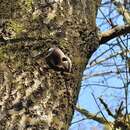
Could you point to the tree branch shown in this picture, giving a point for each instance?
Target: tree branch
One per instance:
(92, 116)
(106, 108)
(114, 32)
(122, 10)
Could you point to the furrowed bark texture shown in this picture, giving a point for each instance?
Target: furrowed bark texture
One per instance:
(32, 95)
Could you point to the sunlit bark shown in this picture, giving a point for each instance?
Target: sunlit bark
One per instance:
(32, 95)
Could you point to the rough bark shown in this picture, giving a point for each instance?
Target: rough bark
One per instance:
(32, 95)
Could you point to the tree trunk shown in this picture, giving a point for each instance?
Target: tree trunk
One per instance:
(34, 96)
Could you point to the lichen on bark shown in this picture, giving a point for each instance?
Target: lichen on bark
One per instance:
(34, 96)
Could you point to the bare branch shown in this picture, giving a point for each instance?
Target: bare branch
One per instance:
(105, 86)
(92, 116)
(94, 63)
(106, 108)
(102, 74)
(114, 32)
(122, 10)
